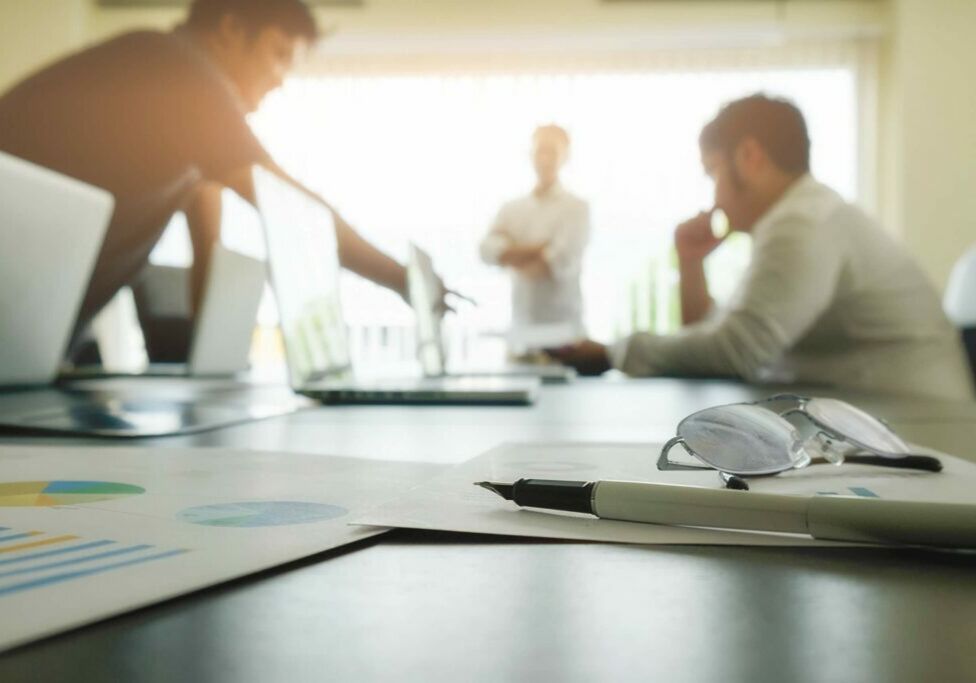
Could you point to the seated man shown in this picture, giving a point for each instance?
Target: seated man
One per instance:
(159, 120)
(541, 238)
(828, 298)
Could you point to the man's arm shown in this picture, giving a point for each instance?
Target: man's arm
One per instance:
(522, 256)
(500, 248)
(562, 257)
(694, 241)
(203, 214)
(498, 240)
(696, 301)
(355, 253)
(536, 266)
(790, 283)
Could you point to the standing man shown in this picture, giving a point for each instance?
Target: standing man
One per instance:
(828, 298)
(541, 238)
(158, 120)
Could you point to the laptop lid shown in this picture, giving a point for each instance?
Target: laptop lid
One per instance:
(424, 299)
(52, 227)
(303, 258)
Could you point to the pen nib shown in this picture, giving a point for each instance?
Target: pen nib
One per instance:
(506, 491)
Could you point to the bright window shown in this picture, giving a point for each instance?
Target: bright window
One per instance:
(431, 158)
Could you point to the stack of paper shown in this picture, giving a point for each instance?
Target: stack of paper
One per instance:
(451, 502)
(88, 533)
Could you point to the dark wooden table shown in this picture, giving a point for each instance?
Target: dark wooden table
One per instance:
(449, 607)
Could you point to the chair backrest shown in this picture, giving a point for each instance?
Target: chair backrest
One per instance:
(162, 296)
(960, 302)
(960, 296)
(969, 341)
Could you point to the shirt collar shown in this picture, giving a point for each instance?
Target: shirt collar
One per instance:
(555, 192)
(786, 203)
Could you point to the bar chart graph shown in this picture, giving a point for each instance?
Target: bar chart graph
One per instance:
(32, 559)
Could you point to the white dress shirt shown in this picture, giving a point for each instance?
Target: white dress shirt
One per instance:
(560, 220)
(828, 298)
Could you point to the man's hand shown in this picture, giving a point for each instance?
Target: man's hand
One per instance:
(589, 358)
(536, 269)
(694, 238)
(528, 259)
(521, 255)
(442, 306)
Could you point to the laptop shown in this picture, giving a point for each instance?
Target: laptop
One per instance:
(219, 343)
(53, 227)
(304, 262)
(424, 298)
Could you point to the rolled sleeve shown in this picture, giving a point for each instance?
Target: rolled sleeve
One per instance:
(493, 246)
(498, 238)
(564, 252)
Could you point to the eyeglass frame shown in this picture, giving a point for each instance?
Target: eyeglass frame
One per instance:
(829, 434)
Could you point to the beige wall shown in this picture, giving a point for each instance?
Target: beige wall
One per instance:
(385, 19)
(928, 156)
(926, 131)
(33, 32)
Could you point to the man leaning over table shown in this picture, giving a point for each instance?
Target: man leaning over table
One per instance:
(829, 297)
(159, 120)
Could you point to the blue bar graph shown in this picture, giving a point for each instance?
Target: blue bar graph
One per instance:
(73, 561)
(58, 578)
(53, 553)
(32, 559)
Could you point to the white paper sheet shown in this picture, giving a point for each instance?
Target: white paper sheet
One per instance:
(450, 501)
(181, 520)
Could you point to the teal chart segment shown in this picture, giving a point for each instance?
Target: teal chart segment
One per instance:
(260, 513)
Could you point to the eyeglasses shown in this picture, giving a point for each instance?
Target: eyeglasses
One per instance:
(786, 432)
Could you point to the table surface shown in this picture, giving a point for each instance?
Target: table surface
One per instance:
(435, 606)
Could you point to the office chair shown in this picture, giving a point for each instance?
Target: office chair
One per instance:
(162, 296)
(960, 302)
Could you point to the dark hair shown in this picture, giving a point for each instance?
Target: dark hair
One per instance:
(776, 124)
(291, 16)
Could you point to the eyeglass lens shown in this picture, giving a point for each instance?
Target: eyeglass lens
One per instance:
(857, 425)
(742, 439)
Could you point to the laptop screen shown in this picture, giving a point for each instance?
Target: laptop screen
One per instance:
(303, 256)
(51, 228)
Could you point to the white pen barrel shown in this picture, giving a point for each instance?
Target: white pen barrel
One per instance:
(862, 520)
(698, 506)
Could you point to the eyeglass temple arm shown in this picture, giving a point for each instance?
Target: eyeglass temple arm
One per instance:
(663, 463)
(927, 463)
(784, 397)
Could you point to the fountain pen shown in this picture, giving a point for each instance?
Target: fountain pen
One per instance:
(834, 518)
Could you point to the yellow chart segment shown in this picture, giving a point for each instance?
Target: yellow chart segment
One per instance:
(52, 493)
(26, 500)
(7, 549)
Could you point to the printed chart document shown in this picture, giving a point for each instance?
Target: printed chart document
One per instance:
(450, 501)
(86, 533)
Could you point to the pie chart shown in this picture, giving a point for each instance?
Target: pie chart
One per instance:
(51, 493)
(260, 513)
